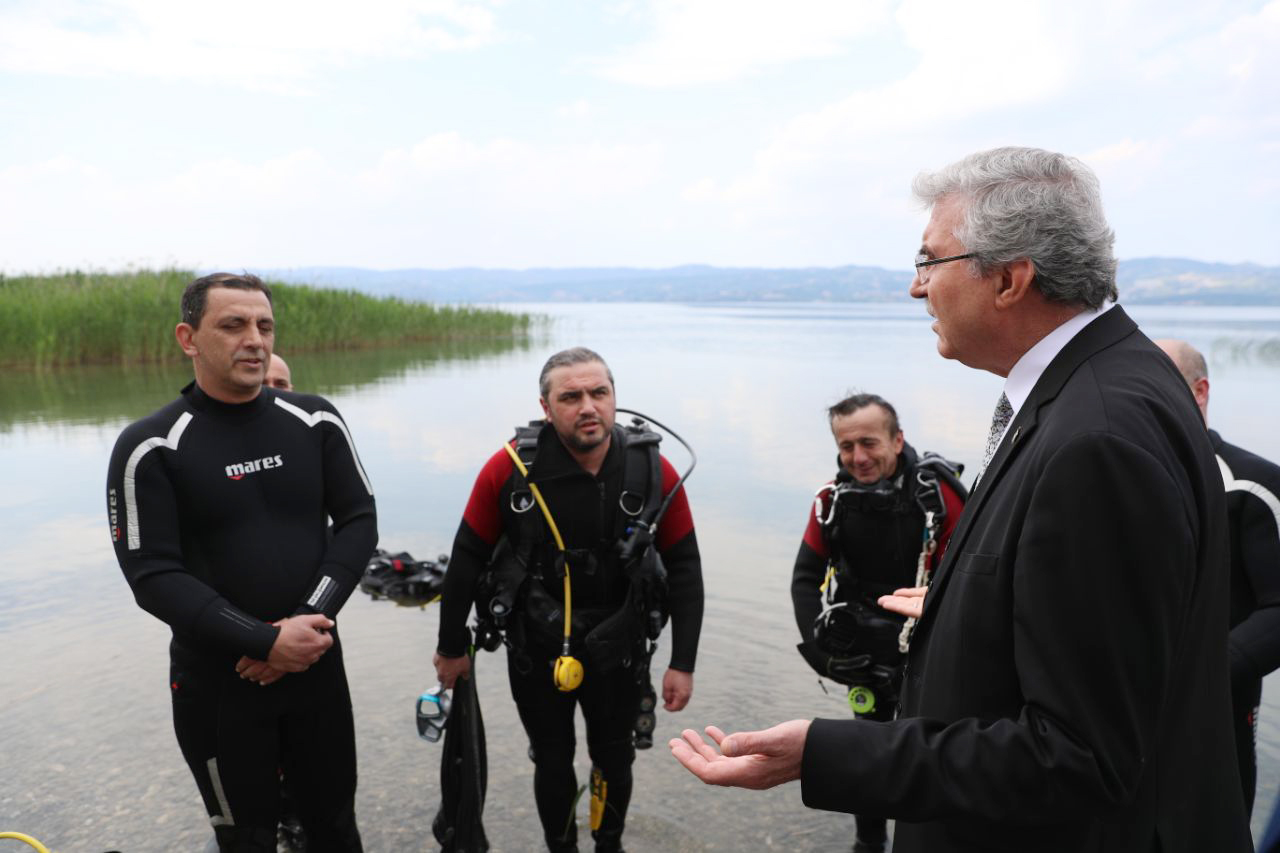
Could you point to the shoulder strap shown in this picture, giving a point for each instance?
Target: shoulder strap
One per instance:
(527, 441)
(930, 470)
(532, 529)
(640, 500)
(825, 501)
(641, 493)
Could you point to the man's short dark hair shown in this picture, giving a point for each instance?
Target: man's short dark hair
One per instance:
(856, 402)
(196, 295)
(565, 358)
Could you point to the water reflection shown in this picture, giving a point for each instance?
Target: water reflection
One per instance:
(339, 371)
(745, 384)
(95, 394)
(1246, 351)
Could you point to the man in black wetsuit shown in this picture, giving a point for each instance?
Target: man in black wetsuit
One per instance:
(278, 374)
(867, 528)
(218, 506)
(580, 462)
(1253, 515)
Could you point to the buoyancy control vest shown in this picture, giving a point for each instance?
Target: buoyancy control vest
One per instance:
(515, 601)
(880, 537)
(875, 534)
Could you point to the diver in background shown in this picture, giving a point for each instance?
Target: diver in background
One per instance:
(1253, 522)
(880, 525)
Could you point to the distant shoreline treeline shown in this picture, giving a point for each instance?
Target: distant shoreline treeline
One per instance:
(77, 318)
(1149, 281)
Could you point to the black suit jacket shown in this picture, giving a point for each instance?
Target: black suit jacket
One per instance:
(1067, 683)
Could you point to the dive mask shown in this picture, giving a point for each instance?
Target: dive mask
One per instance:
(433, 713)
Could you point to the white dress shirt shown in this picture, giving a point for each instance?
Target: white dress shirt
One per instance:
(1027, 370)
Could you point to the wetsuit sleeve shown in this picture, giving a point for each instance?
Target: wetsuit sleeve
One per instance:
(807, 575)
(472, 548)
(348, 498)
(678, 544)
(143, 513)
(806, 597)
(1255, 643)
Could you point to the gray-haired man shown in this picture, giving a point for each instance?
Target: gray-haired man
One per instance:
(1066, 687)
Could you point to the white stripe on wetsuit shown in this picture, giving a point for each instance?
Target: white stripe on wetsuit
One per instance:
(323, 416)
(1231, 484)
(130, 469)
(226, 818)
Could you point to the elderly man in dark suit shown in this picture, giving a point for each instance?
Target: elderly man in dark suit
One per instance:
(1067, 684)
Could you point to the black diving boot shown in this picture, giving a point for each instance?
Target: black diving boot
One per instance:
(608, 842)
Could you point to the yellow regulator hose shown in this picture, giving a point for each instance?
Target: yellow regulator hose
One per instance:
(568, 671)
(25, 839)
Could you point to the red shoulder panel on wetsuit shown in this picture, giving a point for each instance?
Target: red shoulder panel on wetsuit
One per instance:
(483, 514)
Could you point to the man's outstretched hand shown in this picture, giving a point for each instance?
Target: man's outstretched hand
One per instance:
(908, 601)
(756, 760)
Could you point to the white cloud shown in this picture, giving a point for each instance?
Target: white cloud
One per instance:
(509, 174)
(1124, 167)
(577, 110)
(445, 201)
(1249, 45)
(274, 45)
(711, 41)
(1125, 154)
(1174, 105)
(1009, 72)
(860, 152)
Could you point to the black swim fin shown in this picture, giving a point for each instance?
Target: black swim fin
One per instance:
(464, 773)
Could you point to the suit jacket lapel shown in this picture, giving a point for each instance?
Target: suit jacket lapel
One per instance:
(1098, 335)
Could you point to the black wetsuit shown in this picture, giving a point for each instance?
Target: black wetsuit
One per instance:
(1253, 515)
(218, 513)
(585, 509)
(875, 545)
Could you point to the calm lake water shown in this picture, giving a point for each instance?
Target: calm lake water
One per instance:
(89, 762)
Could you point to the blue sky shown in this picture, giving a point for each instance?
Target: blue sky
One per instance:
(521, 133)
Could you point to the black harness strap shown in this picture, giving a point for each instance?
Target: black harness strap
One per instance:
(641, 477)
(930, 468)
(640, 500)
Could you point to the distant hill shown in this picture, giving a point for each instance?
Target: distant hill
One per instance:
(1177, 281)
(1142, 280)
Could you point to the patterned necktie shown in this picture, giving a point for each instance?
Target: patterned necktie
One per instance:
(999, 423)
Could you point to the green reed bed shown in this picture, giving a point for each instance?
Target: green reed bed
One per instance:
(101, 318)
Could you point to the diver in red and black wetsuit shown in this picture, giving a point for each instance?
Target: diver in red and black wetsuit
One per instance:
(866, 538)
(581, 463)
